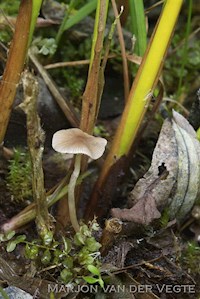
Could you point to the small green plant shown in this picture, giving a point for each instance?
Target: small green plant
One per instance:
(94, 277)
(172, 66)
(72, 259)
(164, 218)
(101, 131)
(10, 7)
(3, 293)
(19, 176)
(45, 46)
(73, 16)
(191, 257)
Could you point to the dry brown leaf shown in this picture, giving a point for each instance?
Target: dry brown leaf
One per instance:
(173, 180)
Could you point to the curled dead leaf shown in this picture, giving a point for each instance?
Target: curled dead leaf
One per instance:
(173, 180)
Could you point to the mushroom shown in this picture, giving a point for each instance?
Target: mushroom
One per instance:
(75, 141)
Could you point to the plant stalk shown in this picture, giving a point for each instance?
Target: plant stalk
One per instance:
(123, 51)
(92, 93)
(35, 136)
(36, 5)
(137, 104)
(138, 25)
(71, 192)
(15, 64)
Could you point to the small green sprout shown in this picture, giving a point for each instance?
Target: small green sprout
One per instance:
(45, 46)
(19, 178)
(74, 258)
(95, 277)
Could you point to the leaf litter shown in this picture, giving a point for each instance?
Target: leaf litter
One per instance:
(172, 181)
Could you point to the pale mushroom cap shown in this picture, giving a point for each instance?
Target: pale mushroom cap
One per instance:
(75, 141)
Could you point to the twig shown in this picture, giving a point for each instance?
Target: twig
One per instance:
(66, 63)
(153, 6)
(72, 63)
(67, 108)
(137, 265)
(90, 96)
(123, 52)
(36, 137)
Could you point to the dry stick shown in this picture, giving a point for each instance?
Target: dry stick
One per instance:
(14, 65)
(90, 96)
(101, 81)
(41, 22)
(153, 6)
(70, 114)
(67, 108)
(123, 52)
(66, 63)
(36, 137)
(72, 63)
(130, 57)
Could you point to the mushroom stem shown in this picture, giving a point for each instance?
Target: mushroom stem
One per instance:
(71, 192)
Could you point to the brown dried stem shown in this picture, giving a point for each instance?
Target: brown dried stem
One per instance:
(36, 138)
(112, 229)
(123, 52)
(15, 64)
(91, 98)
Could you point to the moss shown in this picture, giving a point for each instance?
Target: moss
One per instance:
(191, 258)
(10, 7)
(19, 176)
(164, 219)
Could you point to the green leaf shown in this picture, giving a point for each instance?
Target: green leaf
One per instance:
(48, 237)
(79, 239)
(7, 237)
(101, 282)
(95, 225)
(138, 25)
(90, 279)
(20, 239)
(2, 238)
(31, 251)
(58, 253)
(55, 244)
(10, 235)
(94, 270)
(92, 244)
(11, 246)
(48, 46)
(67, 245)
(86, 260)
(46, 258)
(66, 275)
(68, 262)
(80, 14)
(84, 230)
(56, 260)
